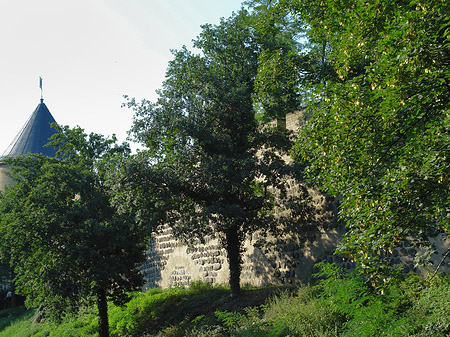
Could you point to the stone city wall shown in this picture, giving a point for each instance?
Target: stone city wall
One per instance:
(284, 259)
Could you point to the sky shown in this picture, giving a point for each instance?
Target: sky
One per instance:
(89, 54)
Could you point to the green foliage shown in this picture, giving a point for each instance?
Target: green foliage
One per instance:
(348, 291)
(14, 315)
(230, 319)
(24, 324)
(200, 286)
(289, 64)
(378, 129)
(144, 312)
(367, 312)
(282, 67)
(302, 314)
(175, 312)
(432, 310)
(64, 239)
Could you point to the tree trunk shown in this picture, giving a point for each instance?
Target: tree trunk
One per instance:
(102, 305)
(233, 245)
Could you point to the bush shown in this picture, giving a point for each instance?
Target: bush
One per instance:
(431, 311)
(367, 312)
(298, 313)
(303, 314)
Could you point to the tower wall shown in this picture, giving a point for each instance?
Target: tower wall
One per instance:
(4, 178)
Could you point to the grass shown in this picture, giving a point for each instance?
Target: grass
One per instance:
(340, 305)
(171, 312)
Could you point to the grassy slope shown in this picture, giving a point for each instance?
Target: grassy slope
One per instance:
(164, 313)
(341, 305)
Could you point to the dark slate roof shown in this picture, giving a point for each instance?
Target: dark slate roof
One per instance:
(34, 134)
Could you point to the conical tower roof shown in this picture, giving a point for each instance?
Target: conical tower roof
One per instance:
(34, 135)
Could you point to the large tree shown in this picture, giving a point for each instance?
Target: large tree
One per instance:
(65, 242)
(379, 129)
(289, 65)
(204, 145)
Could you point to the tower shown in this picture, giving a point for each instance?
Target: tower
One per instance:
(32, 138)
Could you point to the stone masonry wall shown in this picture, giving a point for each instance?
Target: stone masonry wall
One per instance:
(285, 259)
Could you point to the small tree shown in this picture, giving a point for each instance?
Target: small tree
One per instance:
(66, 242)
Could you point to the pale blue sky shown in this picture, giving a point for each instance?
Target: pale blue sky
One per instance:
(90, 53)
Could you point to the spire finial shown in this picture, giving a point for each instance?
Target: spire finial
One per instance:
(40, 86)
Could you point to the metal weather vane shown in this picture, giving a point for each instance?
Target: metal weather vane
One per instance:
(40, 86)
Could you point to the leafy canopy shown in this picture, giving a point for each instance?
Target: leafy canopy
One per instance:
(378, 133)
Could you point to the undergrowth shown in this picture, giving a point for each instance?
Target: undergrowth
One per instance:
(340, 304)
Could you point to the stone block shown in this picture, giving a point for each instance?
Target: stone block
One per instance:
(412, 252)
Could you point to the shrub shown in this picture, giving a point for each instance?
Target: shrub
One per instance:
(302, 314)
(367, 312)
(298, 313)
(431, 311)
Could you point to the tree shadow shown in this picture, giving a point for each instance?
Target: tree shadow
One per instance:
(307, 232)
